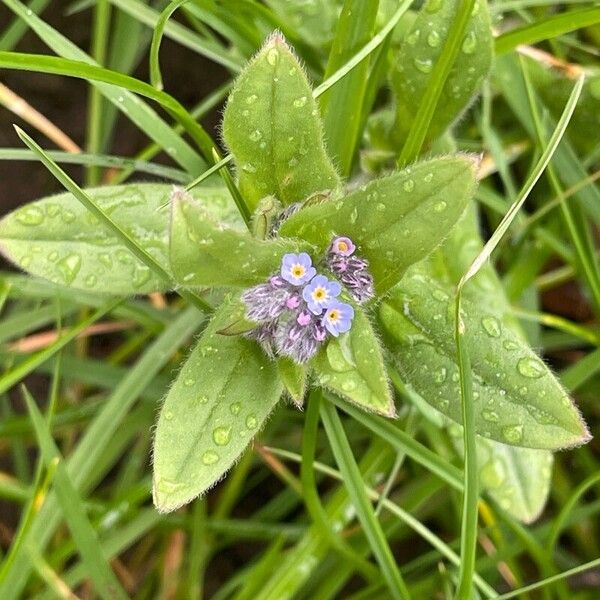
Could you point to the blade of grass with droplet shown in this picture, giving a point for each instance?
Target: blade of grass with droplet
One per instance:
(144, 117)
(16, 30)
(356, 490)
(105, 581)
(547, 28)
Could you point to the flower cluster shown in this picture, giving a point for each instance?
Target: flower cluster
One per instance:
(297, 308)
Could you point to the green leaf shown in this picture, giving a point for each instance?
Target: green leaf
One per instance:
(518, 479)
(516, 398)
(294, 378)
(272, 127)
(203, 253)
(58, 239)
(220, 399)
(420, 51)
(352, 366)
(395, 220)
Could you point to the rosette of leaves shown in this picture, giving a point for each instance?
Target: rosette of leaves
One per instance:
(228, 386)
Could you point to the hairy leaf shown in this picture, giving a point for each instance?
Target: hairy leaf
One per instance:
(219, 401)
(352, 366)
(395, 220)
(420, 50)
(272, 127)
(517, 400)
(204, 253)
(294, 378)
(58, 239)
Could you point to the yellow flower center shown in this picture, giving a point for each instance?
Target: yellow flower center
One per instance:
(298, 270)
(319, 293)
(342, 246)
(333, 315)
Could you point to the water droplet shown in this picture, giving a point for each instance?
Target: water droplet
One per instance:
(30, 215)
(354, 215)
(413, 37)
(91, 280)
(469, 43)
(189, 382)
(202, 399)
(26, 261)
(492, 326)
(68, 216)
(433, 39)
(380, 206)
(428, 178)
(251, 99)
(210, 457)
(235, 408)
(69, 267)
(423, 64)
(222, 435)
(251, 422)
(509, 345)
(168, 415)
(169, 487)
(273, 56)
(530, 367)
(53, 256)
(513, 433)
(248, 168)
(349, 385)
(440, 375)
(300, 102)
(408, 185)
(440, 296)
(440, 206)
(489, 415)
(255, 135)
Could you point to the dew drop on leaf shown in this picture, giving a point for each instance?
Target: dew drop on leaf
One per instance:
(408, 185)
(300, 102)
(423, 64)
(489, 415)
(255, 135)
(513, 433)
(251, 99)
(169, 415)
(491, 325)
(210, 457)
(530, 367)
(469, 43)
(189, 382)
(31, 215)
(222, 435)
(251, 422)
(69, 267)
(235, 408)
(433, 6)
(433, 39)
(440, 206)
(273, 56)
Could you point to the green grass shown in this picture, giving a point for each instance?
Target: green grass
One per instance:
(329, 502)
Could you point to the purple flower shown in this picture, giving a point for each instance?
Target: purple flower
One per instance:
(320, 292)
(300, 338)
(342, 246)
(353, 273)
(297, 269)
(338, 318)
(267, 301)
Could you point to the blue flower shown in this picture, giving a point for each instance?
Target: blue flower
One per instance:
(338, 318)
(319, 293)
(297, 269)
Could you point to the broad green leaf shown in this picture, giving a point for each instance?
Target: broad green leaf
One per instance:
(219, 401)
(352, 366)
(204, 253)
(294, 378)
(395, 220)
(421, 49)
(518, 479)
(272, 127)
(517, 400)
(58, 239)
